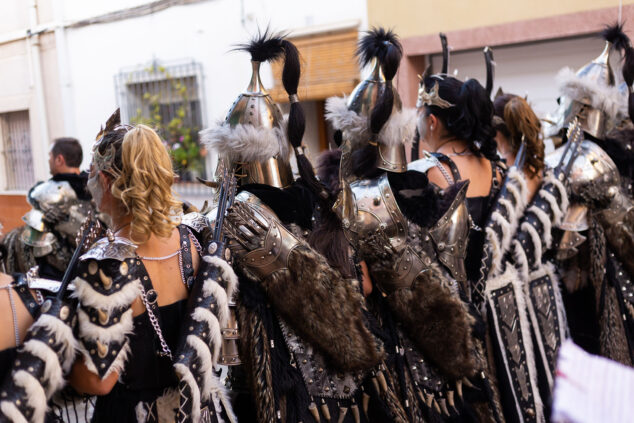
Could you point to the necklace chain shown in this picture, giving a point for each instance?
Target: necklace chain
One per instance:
(9, 289)
(169, 256)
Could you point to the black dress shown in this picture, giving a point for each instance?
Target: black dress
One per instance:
(147, 375)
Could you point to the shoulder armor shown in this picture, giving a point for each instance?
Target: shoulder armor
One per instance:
(576, 219)
(51, 194)
(196, 221)
(77, 215)
(377, 209)
(378, 212)
(450, 235)
(119, 249)
(106, 289)
(421, 165)
(593, 173)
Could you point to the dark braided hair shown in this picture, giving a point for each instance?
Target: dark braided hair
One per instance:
(470, 118)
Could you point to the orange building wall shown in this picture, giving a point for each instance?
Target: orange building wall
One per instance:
(12, 208)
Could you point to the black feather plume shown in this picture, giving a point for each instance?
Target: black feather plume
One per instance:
(445, 54)
(614, 34)
(488, 58)
(374, 44)
(264, 47)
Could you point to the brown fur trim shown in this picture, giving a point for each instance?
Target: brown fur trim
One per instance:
(438, 322)
(324, 309)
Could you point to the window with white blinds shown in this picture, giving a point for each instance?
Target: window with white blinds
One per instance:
(15, 151)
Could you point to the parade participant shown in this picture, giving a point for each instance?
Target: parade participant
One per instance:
(393, 217)
(455, 122)
(304, 345)
(515, 122)
(520, 289)
(34, 356)
(59, 207)
(132, 287)
(596, 245)
(20, 306)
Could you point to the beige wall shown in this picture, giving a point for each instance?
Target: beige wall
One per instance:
(422, 17)
(17, 77)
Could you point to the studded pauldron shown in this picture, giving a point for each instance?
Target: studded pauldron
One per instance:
(107, 284)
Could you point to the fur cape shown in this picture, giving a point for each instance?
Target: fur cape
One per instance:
(324, 309)
(247, 143)
(438, 322)
(399, 129)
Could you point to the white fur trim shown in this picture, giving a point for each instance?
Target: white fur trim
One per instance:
(11, 411)
(505, 225)
(34, 394)
(517, 195)
(496, 254)
(511, 212)
(118, 365)
(563, 194)
(603, 97)
(518, 177)
(536, 240)
(141, 412)
(546, 224)
(119, 299)
(554, 206)
(206, 363)
(510, 276)
(52, 369)
(204, 315)
(399, 128)
(106, 335)
(222, 399)
(63, 335)
(228, 274)
(166, 406)
(355, 127)
(213, 288)
(520, 259)
(247, 143)
(185, 376)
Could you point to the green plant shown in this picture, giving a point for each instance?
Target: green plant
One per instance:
(180, 137)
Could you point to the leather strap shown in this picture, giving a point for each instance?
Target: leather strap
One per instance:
(22, 288)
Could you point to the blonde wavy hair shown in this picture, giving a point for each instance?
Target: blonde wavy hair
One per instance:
(144, 185)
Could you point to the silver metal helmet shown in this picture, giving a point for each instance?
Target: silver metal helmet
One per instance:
(590, 94)
(255, 107)
(362, 100)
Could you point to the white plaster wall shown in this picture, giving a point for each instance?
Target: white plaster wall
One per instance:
(205, 32)
(528, 69)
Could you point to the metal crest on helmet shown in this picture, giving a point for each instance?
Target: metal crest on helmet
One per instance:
(431, 98)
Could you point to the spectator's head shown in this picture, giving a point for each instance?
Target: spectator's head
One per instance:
(65, 156)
